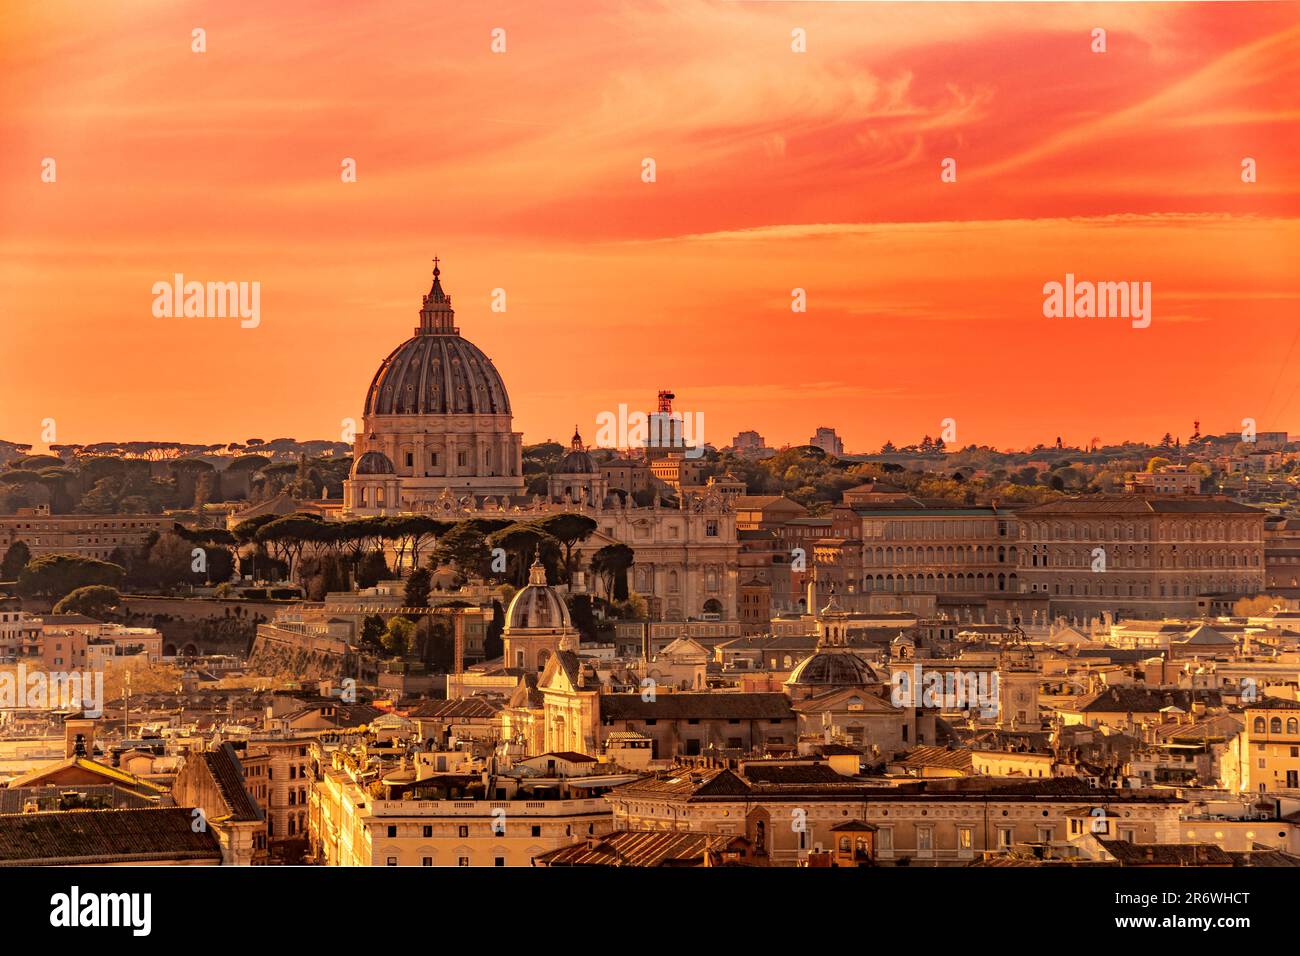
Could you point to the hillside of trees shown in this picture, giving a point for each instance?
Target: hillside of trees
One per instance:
(153, 477)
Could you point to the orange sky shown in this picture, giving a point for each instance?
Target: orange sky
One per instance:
(775, 170)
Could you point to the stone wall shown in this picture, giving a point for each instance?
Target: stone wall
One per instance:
(280, 652)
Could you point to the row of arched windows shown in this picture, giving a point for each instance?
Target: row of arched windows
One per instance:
(1116, 558)
(941, 583)
(1164, 531)
(1275, 725)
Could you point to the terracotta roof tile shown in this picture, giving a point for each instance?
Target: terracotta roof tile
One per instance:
(73, 837)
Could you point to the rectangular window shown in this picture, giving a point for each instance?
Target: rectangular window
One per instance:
(392, 861)
(426, 861)
(462, 861)
(428, 831)
(499, 861)
(392, 831)
(464, 832)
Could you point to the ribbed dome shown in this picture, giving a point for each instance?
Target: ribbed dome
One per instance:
(537, 605)
(436, 372)
(373, 463)
(831, 669)
(576, 463)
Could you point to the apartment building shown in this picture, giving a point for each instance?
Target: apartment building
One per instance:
(17, 631)
(467, 818)
(87, 536)
(1265, 757)
(790, 810)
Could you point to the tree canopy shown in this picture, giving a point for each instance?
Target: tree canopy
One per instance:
(611, 564)
(57, 575)
(16, 557)
(95, 600)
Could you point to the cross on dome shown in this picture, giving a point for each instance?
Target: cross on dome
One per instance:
(436, 314)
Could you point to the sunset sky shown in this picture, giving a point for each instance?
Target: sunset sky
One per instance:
(775, 170)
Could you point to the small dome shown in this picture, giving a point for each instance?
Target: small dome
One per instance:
(831, 669)
(373, 463)
(537, 606)
(576, 463)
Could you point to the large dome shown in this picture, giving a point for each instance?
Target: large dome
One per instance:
(831, 669)
(437, 375)
(436, 372)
